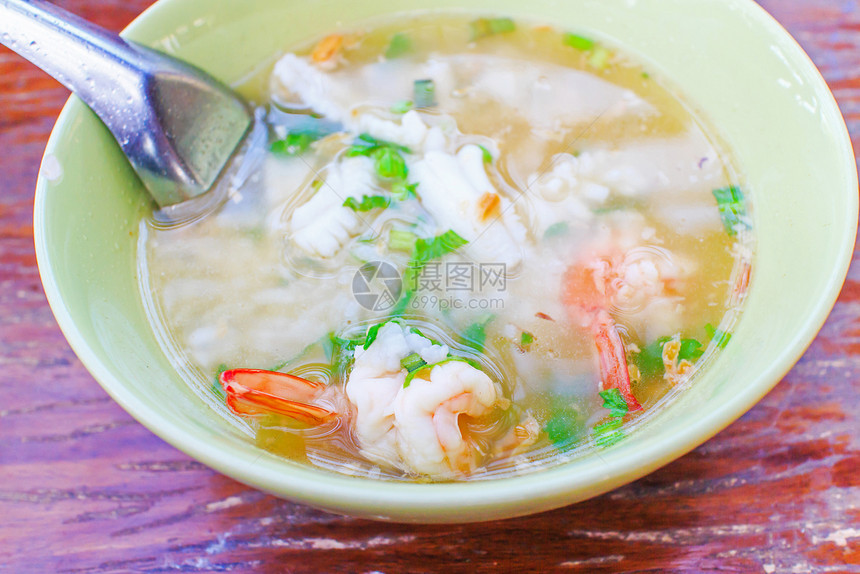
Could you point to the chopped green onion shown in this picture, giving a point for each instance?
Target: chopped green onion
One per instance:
(613, 401)
(718, 336)
(490, 26)
(599, 59)
(578, 42)
(399, 240)
(295, 143)
(402, 107)
(403, 191)
(730, 201)
(367, 203)
(400, 45)
(526, 339)
(413, 362)
(424, 93)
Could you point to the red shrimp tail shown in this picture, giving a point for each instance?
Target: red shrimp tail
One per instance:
(252, 392)
(613, 358)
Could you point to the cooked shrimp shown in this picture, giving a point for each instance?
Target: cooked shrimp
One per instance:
(609, 279)
(415, 428)
(427, 415)
(374, 382)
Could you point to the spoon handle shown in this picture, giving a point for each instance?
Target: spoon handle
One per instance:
(78, 54)
(177, 125)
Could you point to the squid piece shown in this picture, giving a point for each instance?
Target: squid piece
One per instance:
(322, 225)
(457, 192)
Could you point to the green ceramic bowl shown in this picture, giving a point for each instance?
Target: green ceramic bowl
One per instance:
(760, 90)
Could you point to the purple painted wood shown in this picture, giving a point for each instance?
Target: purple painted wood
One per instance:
(85, 489)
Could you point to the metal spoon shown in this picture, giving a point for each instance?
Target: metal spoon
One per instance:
(177, 125)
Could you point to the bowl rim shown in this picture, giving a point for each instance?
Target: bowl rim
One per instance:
(502, 497)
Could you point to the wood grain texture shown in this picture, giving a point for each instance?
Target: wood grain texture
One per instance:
(86, 489)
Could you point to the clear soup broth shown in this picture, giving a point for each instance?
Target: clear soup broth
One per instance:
(454, 248)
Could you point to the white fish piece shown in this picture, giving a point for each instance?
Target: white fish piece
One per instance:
(451, 188)
(426, 413)
(544, 93)
(322, 225)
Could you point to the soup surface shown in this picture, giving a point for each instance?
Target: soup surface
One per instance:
(454, 248)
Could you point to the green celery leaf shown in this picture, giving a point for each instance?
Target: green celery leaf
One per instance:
(295, 143)
(437, 247)
(367, 203)
(613, 401)
(425, 250)
(691, 349)
(390, 164)
(730, 201)
(564, 426)
(650, 360)
(475, 335)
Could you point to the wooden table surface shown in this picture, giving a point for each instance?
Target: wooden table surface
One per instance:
(85, 488)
